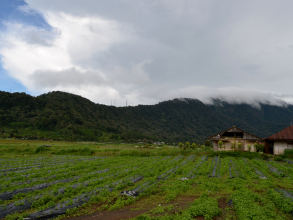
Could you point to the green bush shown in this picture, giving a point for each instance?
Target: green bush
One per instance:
(249, 155)
(87, 151)
(288, 153)
(41, 149)
(279, 159)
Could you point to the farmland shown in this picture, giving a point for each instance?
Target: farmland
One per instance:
(46, 186)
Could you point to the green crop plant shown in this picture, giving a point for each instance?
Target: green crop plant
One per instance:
(248, 205)
(204, 206)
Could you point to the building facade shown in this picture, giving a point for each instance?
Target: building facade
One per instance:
(233, 136)
(279, 142)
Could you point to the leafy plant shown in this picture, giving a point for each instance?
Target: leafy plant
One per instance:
(239, 146)
(204, 206)
(193, 146)
(249, 147)
(233, 145)
(220, 144)
(255, 145)
(187, 145)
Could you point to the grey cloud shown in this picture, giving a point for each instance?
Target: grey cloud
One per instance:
(39, 37)
(196, 48)
(67, 78)
(208, 95)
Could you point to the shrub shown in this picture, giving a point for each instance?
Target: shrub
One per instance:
(239, 146)
(279, 159)
(260, 147)
(249, 155)
(207, 143)
(193, 146)
(249, 147)
(187, 145)
(255, 145)
(288, 153)
(87, 151)
(233, 145)
(220, 144)
(41, 148)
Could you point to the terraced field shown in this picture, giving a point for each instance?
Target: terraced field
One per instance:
(223, 188)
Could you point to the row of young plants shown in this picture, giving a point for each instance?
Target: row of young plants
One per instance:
(53, 161)
(92, 186)
(138, 177)
(46, 176)
(89, 171)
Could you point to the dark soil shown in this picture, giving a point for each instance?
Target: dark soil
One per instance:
(128, 212)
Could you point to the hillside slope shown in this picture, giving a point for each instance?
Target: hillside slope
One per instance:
(65, 116)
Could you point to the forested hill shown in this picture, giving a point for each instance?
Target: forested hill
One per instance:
(64, 116)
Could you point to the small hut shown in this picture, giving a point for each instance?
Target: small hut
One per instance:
(279, 142)
(234, 135)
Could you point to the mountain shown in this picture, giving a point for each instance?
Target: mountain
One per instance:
(64, 116)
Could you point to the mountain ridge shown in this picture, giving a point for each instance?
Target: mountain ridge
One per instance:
(64, 116)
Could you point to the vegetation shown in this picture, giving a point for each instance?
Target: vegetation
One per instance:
(220, 145)
(64, 116)
(230, 185)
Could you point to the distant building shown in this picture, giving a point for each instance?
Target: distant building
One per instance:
(279, 142)
(232, 135)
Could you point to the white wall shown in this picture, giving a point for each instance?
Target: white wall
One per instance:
(279, 147)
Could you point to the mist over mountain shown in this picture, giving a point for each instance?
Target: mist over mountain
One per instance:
(64, 116)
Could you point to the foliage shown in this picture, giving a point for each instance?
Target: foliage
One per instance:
(288, 153)
(220, 144)
(255, 146)
(283, 203)
(237, 154)
(41, 149)
(278, 159)
(186, 145)
(249, 206)
(233, 145)
(260, 148)
(208, 143)
(193, 146)
(204, 206)
(239, 146)
(249, 147)
(64, 116)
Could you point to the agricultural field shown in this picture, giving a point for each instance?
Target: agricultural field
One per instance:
(155, 187)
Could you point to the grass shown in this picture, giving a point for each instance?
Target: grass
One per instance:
(29, 147)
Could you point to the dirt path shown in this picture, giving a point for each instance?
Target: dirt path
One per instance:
(132, 211)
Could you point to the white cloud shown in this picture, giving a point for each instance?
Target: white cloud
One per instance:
(150, 51)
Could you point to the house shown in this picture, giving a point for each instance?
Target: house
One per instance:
(234, 135)
(279, 142)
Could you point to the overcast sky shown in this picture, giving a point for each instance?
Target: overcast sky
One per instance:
(149, 51)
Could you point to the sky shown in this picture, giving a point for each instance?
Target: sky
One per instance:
(149, 51)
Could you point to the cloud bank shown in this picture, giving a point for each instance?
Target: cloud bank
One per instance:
(156, 50)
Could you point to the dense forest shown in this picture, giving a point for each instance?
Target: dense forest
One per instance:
(64, 116)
